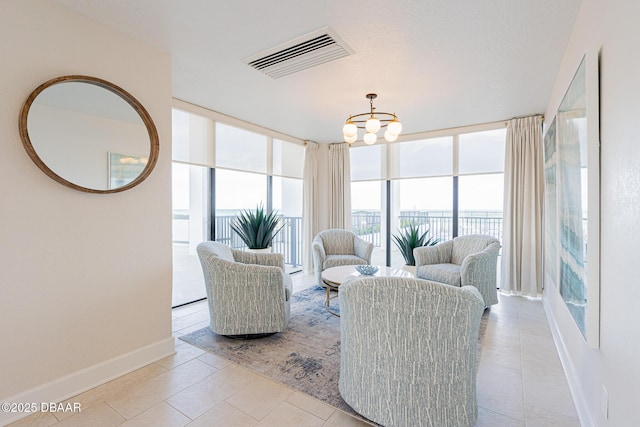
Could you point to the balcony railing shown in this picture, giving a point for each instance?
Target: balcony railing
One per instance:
(366, 224)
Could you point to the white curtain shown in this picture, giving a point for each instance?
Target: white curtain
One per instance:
(340, 189)
(310, 204)
(523, 199)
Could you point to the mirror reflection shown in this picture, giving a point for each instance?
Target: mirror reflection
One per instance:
(85, 133)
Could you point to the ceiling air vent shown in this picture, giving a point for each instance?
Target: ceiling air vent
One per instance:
(299, 54)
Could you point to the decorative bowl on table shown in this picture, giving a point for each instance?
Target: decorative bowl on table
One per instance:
(367, 270)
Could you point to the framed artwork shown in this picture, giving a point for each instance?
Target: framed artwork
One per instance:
(124, 168)
(572, 197)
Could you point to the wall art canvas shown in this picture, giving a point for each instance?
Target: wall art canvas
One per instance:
(577, 201)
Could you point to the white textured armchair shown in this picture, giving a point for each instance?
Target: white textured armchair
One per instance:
(335, 247)
(465, 260)
(248, 293)
(408, 354)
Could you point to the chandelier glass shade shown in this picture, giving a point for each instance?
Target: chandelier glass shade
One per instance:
(371, 122)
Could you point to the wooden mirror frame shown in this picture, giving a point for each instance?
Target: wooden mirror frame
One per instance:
(133, 102)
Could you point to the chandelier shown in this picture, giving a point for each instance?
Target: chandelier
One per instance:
(372, 125)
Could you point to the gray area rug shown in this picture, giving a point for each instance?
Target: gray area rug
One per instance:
(305, 357)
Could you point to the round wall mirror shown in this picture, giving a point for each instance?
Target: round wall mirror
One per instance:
(89, 134)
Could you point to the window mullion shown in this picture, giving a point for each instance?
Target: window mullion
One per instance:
(456, 168)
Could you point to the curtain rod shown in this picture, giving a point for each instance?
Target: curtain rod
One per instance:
(506, 123)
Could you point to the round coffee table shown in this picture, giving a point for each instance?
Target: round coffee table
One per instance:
(334, 276)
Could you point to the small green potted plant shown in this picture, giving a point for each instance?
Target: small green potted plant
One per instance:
(410, 238)
(257, 228)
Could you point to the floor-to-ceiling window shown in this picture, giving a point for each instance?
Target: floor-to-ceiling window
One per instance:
(447, 182)
(368, 198)
(221, 166)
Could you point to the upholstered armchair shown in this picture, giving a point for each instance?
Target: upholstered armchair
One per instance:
(248, 293)
(335, 247)
(465, 260)
(409, 348)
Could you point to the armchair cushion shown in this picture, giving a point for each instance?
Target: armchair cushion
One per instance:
(337, 260)
(442, 273)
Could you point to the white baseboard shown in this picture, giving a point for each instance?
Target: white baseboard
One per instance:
(582, 409)
(88, 378)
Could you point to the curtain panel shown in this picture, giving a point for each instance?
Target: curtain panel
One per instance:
(340, 190)
(523, 203)
(310, 204)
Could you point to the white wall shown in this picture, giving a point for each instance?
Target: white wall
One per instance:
(611, 26)
(85, 279)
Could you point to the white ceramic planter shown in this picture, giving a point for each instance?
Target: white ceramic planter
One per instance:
(260, 251)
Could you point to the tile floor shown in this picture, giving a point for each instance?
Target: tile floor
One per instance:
(520, 383)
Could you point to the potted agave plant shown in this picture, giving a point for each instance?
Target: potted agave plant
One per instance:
(410, 238)
(257, 228)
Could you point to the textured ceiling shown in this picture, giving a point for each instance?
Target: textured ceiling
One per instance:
(436, 63)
